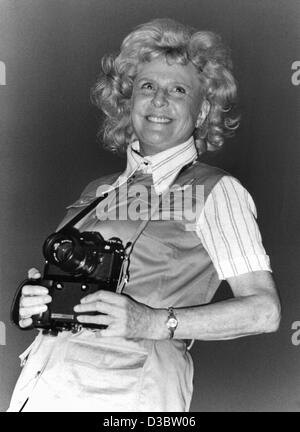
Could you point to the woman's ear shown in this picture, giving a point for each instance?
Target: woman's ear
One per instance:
(203, 113)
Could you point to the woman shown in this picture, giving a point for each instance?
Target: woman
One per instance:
(167, 98)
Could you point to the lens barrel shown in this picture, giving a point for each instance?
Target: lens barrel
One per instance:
(74, 252)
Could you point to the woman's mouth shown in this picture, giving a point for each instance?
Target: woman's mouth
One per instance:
(158, 119)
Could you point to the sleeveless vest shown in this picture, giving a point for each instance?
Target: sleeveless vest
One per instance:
(169, 265)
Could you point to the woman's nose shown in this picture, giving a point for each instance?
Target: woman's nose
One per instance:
(160, 98)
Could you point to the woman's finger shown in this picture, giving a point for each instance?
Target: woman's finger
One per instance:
(105, 296)
(97, 306)
(34, 273)
(34, 310)
(34, 290)
(100, 319)
(28, 301)
(25, 322)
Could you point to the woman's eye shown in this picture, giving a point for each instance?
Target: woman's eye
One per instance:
(179, 89)
(147, 86)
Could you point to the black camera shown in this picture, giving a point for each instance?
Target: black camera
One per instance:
(76, 264)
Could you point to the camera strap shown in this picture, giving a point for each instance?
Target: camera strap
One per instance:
(84, 212)
(124, 273)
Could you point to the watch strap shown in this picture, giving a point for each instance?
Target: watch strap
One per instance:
(171, 322)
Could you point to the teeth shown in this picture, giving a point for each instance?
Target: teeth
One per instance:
(158, 119)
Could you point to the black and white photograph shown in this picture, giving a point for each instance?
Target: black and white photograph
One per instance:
(150, 199)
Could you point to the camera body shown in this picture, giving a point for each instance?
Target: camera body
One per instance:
(77, 264)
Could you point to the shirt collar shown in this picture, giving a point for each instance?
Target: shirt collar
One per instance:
(164, 166)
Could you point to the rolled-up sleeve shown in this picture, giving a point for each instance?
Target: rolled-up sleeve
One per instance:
(229, 232)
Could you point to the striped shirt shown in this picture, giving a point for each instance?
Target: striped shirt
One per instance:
(228, 230)
(227, 225)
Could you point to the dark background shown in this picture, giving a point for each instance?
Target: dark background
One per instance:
(48, 153)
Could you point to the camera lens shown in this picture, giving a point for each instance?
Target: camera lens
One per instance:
(63, 250)
(74, 252)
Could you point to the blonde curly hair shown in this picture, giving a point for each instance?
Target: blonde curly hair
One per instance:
(177, 43)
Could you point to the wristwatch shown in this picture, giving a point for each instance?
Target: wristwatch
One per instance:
(171, 322)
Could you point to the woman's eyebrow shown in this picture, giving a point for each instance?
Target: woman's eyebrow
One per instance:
(173, 82)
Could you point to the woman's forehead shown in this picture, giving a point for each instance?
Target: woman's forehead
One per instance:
(160, 68)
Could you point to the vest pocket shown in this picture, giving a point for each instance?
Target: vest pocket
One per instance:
(104, 372)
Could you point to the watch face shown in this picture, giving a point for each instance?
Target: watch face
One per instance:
(172, 322)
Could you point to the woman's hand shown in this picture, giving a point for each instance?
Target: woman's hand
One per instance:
(124, 316)
(33, 300)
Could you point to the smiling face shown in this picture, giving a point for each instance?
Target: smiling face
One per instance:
(165, 104)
